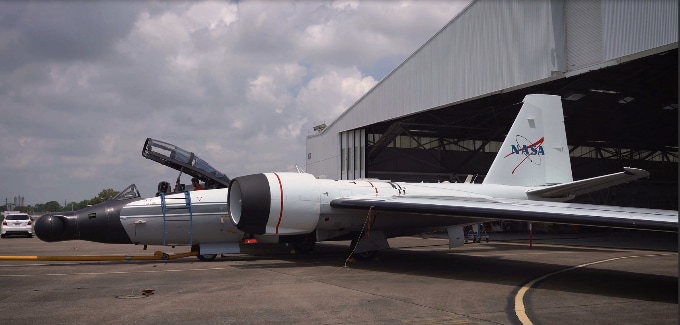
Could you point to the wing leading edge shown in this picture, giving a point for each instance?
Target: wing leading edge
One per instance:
(520, 210)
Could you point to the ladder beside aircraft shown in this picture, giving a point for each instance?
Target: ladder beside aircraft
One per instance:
(165, 208)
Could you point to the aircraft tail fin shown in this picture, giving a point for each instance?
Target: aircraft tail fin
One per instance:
(535, 151)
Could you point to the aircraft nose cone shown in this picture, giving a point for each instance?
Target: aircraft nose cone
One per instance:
(53, 227)
(98, 223)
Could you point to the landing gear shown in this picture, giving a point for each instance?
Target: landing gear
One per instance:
(207, 257)
(363, 256)
(305, 244)
(304, 247)
(203, 257)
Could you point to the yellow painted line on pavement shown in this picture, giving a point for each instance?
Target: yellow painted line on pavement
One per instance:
(520, 309)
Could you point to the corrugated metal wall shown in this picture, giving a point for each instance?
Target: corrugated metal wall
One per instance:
(584, 33)
(492, 46)
(634, 26)
(599, 32)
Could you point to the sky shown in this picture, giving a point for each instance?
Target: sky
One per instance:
(241, 84)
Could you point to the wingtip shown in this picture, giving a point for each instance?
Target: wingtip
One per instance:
(636, 172)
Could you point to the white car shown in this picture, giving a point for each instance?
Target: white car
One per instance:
(17, 224)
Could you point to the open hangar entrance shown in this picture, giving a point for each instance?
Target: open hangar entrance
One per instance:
(620, 116)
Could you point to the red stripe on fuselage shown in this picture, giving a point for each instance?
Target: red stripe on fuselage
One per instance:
(376, 189)
(280, 211)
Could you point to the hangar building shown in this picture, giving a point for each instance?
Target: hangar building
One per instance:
(442, 114)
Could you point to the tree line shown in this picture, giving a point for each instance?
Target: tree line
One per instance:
(54, 206)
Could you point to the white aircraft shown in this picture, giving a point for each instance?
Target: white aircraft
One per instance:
(529, 180)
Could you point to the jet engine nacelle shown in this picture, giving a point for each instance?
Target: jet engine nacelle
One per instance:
(275, 203)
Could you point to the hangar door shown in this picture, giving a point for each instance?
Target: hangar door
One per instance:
(352, 153)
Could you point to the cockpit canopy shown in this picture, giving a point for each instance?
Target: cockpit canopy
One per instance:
(129, 192)
(187, 162)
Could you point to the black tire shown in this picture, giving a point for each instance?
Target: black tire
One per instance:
(207, 257)
(365, 256)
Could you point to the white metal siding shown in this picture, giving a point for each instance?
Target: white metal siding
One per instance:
(634, 26)
(584, 33)
(323, 155)
(601, 31)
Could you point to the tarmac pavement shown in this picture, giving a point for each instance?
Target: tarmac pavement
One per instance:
(616, 278)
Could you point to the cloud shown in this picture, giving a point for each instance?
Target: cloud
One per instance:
(83, 84)
(332, 92)
(61, 31)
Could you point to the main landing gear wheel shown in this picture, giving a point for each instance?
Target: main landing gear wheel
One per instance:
(204, 257)
(363, 256)
(207, 257)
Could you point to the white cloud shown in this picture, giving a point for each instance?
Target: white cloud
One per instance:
(212, 15)
(271, 89)
(330, 93)
(345, 4)
(82, 85)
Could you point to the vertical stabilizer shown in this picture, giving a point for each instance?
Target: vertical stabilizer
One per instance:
(535, 151)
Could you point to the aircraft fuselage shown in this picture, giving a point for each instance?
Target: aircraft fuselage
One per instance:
(145, 222)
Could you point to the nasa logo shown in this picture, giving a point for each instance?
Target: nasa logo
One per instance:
(528, 149)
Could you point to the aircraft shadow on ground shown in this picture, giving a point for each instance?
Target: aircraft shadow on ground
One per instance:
(491, 269)
(463, 265)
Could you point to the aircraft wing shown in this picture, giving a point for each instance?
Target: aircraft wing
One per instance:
(584, 186)
(520, 210)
